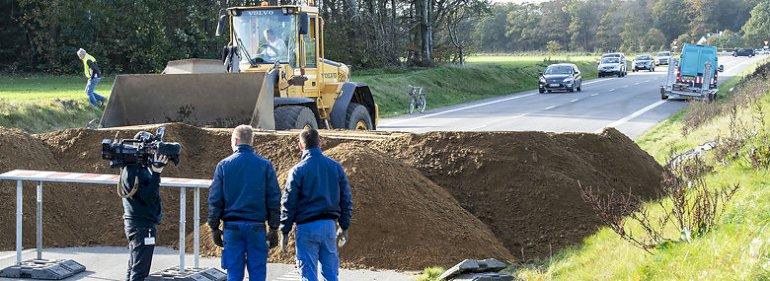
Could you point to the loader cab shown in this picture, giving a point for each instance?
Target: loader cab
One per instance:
(288, 35)
(265, 36)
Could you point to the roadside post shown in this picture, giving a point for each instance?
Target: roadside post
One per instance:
(40, 268)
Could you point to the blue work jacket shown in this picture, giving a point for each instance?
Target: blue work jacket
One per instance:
(244, 188)
(317, 188)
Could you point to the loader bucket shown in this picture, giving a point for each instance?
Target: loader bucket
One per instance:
(222, 100)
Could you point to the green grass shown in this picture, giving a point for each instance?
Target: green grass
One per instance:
(29, 102)
(44, 88)
(738, 248)
(430, 274)
(34, 103)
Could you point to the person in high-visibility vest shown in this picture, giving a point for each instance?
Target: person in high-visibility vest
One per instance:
(91, 71)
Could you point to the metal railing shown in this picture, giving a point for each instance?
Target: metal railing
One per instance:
(80, 178)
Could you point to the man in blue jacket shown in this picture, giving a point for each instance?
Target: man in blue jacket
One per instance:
(244, 194)
(317, 196)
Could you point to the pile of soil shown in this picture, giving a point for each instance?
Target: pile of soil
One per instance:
(419, 200)
(401, 220)
(19, 150)
(524, 185)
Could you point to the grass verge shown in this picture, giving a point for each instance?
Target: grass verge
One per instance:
(34, 103)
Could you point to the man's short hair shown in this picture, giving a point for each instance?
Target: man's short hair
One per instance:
(244, 134)
(309, 137)
(81, 52)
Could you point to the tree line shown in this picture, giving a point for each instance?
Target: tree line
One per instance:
(137, 36)
(142, 35)
(622, 25)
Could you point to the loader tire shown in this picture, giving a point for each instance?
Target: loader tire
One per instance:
(294, 117)
(358, 117)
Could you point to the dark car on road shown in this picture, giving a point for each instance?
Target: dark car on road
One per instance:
(643, 62)
(743, 53)
(561, 77)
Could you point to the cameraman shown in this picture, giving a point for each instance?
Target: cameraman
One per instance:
(139, 187)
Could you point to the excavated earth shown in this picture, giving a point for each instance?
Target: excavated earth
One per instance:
(419, 200)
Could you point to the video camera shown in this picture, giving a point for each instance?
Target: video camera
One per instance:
(139, 150)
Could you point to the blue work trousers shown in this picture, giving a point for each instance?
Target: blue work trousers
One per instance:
(316, 243)
(95, 99)
(245, 247)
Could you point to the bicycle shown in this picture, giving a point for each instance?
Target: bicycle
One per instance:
(417, 99)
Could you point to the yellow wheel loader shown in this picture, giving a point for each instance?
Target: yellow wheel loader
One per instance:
(272, 76)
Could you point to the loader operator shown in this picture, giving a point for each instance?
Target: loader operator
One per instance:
(317, 196)
(275, 48)
(244, 194)
(94, 75)
(142, 212)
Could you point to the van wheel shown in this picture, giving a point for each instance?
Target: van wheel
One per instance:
(358, 117)
(294, 117)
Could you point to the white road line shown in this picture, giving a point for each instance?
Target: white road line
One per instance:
(595, 81)
(550, 107)
(498, 122)
(645, 81)
(459, 109)
(632, 115)
(574, 100)
(637, 83)
(594, 94)
(612, 90)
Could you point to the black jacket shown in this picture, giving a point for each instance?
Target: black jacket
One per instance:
(143, 208)
(95, 72)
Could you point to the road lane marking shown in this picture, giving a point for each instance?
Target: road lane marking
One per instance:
(498, 122)
(550, 107)
(595, 81)
(637, 83)
(612, 90)
(638, 113)
(594, 94)
(459, 109)
(574, 100)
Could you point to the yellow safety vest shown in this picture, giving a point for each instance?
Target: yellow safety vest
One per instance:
(86, 69)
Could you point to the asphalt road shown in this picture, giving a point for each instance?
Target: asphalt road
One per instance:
(631, 104)
(109, 263)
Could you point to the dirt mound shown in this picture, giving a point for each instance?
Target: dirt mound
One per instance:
(524, 185)
(19, 150)
(420, 200)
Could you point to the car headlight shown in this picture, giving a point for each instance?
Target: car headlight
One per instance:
(542, 80)
(567, 80)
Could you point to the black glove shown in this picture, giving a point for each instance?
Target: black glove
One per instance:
(216, 236)
(272, 238)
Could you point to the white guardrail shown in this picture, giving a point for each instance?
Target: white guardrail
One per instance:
(103, 179)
